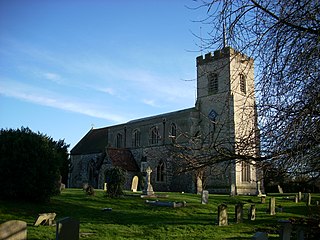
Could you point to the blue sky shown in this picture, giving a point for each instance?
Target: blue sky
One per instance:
(66, 66)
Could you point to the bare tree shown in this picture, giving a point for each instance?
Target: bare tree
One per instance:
(284, 39)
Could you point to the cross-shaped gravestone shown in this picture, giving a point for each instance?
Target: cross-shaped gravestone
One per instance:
(148, 189)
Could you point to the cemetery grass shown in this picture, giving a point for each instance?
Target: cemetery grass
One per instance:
(132, 218)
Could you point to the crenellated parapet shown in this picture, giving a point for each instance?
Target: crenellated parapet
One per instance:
(220, 54)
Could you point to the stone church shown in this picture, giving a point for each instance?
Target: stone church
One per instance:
(224, 110)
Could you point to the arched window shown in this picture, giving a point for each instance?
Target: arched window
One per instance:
(119, 140)
(173, 130)
(213, 85)
(243, 87)
(245, 171)
(155, 135)
(161, 172)
(136, 138)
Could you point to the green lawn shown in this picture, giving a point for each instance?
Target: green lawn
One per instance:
(132, 218)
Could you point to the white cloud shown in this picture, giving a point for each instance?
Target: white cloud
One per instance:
(53, 77)
(150, 102)
(43, 97)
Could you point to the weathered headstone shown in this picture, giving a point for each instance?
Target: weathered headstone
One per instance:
(67, 229)
(45, 219)
(205, 197)
(13, 230)
(259, 193)
(260, 236)
(222, 215)
(62, 187)
(233, 190)
(105, 186)
(309, 199)
(280, 189)
(272, 206)
(286, 229)
(296, 198)
(134, 185)
(300, 196)
(263, 199)
(199, 185)
(252, 212)
(239, 213)
(148, 189)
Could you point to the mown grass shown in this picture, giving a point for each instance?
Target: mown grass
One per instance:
(132, 218)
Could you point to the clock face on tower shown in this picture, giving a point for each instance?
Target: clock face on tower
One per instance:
(212, 115)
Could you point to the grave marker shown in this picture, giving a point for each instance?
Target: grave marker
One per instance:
(67, 229)
(45, 219)
(239, 213)
(134, 185)
(233, 190)
(309, 199)
(272, 206)
(13, 230)
(222, 215)
(280, 189)
(259, 188)
(300, 196)
(252, 212)
(148, 189)
(285, 231)
(205, 197)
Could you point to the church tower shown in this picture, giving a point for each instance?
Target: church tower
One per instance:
(226, 102)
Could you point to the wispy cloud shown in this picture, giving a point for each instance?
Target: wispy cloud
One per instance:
(150, 102)
(44, 97)
(54, 77)
(96, 76)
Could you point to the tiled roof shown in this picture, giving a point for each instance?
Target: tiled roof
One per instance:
(123, 158)
(95, 141)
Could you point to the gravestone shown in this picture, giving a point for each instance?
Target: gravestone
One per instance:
(13, 230)
(148, 189)
(286, 229)
(260, 236)
(45, 219)
(252, 212)
(280, 189)
(239, 213)
(309, 199)
(259, 188)
(296, 198)
(263, 199)
(300, 196)
(199, 185)
(105, 186)
(134, 185)
(233, 190)
(67, 229)
(205, 197)
(222, 215)
(272, 206)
